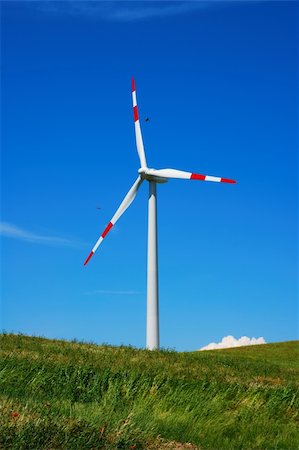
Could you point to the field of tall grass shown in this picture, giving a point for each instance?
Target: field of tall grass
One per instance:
(69, 395)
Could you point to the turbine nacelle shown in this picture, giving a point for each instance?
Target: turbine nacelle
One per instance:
(150, 175)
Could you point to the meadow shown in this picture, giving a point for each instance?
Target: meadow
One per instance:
(56, 394)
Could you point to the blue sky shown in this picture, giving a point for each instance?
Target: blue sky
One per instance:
(219, 82)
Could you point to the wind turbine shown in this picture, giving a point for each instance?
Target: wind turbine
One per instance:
(153, 176)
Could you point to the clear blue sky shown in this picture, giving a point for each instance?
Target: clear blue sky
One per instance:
(219, 82)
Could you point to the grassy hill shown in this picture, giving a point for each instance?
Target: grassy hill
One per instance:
(68, 395)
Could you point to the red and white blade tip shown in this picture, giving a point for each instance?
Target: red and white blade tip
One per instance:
(88, 258)
(197, 176)
(105, 232)
(133, 85)
(227, 180)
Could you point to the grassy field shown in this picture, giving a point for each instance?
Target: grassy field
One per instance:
(69, 395)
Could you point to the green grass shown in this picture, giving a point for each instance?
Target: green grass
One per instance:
(68, 395)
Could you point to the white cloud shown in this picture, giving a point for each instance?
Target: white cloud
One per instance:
(231, 341)
(12, 231)
(127, 11)
(118, 11)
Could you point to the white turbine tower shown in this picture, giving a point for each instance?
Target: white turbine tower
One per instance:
(153, 176)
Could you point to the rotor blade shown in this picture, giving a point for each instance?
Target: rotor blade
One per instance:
(124, 205)
(139, 141)
(173, 173)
